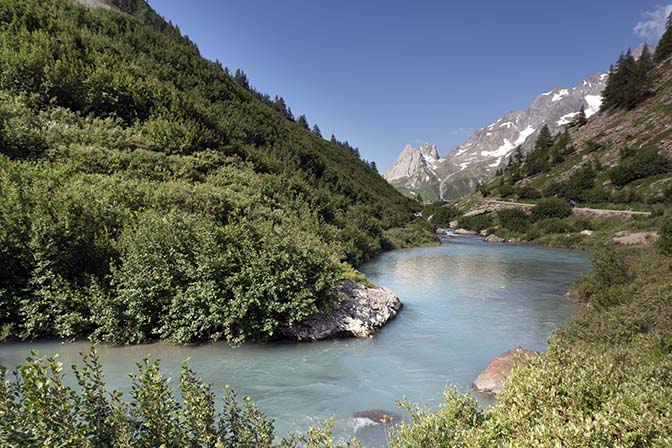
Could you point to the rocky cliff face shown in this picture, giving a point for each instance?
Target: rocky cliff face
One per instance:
(418, 172)
(414, 172)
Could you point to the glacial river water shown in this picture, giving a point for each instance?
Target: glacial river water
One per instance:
(465, 302)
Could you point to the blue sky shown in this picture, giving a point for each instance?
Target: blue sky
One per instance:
(382, 74)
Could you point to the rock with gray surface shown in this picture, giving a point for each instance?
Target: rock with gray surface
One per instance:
(362, 313)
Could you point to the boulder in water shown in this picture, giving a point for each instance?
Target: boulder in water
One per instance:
(492, 378)
(362, 313)
(378, 416)
(465, 232)
(494, 239)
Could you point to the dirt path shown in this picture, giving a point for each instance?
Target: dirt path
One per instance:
(496, 205)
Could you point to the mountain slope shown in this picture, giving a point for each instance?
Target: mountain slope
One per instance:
(488, 149)
(621, 154)
(146, 193)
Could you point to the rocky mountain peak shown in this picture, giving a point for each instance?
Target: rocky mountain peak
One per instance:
(413, 162)
(421, 169)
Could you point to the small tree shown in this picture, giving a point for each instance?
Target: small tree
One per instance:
(580, 119)
(316, 130)
(303, 122)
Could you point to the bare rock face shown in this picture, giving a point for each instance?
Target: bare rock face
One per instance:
(361, 315)
(492, 378)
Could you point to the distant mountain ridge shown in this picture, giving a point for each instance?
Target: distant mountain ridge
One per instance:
(418, 172)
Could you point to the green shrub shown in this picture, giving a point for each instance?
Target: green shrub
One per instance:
(514, 219)
(476, 222)
(644, 163)
(506, 190)
(551, 208)
(528, 192)
(440, 214)
(665, 237)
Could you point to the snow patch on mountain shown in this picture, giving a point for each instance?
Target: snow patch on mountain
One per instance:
(594, 104)
(567, 118)
(560, 95)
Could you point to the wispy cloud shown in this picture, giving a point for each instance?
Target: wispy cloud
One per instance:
(653, 23)
(461, 131)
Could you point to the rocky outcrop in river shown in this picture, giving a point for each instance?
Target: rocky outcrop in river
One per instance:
(492, 378)
(363, 312)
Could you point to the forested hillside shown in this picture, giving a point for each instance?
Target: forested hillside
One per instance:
(145, 192)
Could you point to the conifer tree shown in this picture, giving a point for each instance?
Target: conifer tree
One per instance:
(303, 122)
(630, 82)
(316, 130)
(580, 119)
(241, 78)
(538, 160)
(545, 139)
(664, 48)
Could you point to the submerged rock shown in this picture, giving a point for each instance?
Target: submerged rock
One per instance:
(364, 311)
(494, 239)
(492, 378)
(465, 232)
(378, 416)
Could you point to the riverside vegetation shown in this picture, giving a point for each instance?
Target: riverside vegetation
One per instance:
(133, 168)
(147, 193)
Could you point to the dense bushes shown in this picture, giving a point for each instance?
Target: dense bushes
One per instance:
(551, 208)
(39, 409)
(440, 214)
(514, 219)
(476, 222)
(638, 165)
(146, 193)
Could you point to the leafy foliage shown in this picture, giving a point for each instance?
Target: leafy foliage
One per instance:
(639, 164)
(146, 192)
(476, 223)
(551, 208)
(39, 409)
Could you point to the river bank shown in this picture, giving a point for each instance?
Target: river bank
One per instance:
(464, 304)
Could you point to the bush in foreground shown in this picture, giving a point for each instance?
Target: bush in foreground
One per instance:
(38, 409)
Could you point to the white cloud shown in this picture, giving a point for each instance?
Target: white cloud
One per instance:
(653, 23)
